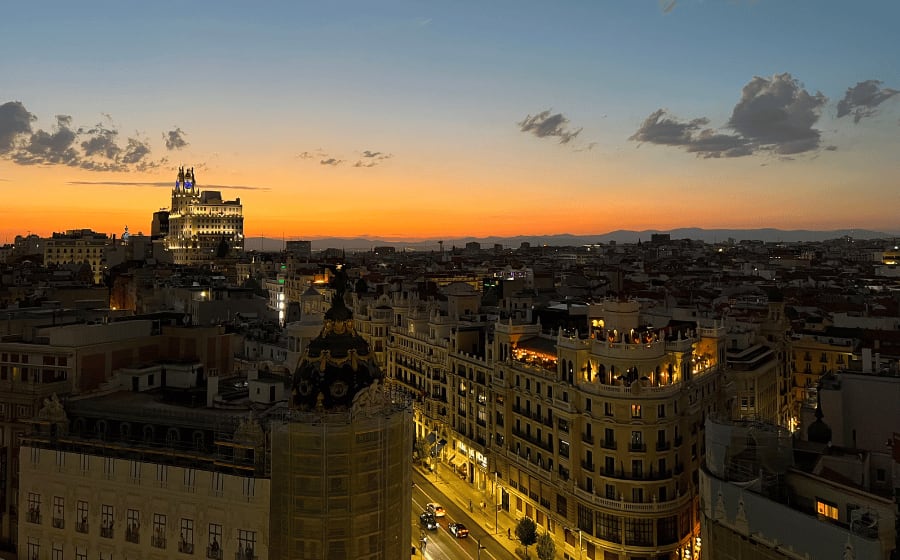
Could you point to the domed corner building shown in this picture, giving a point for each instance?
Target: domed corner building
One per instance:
(341, 457)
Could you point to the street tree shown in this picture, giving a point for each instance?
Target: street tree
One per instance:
(546, 548)
(526, 532)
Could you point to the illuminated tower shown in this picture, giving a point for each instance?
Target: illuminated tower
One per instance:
(201, 223)
(341, 457)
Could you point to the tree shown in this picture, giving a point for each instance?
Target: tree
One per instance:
(546, 548)
(526, 532)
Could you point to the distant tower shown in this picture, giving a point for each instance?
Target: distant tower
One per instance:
(341, 458)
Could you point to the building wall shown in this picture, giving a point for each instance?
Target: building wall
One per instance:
(105, 507)
(343, 487)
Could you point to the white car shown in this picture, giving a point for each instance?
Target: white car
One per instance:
(436, 509)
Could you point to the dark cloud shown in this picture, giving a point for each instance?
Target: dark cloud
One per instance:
(14, 120)
(369, 154)
(306, 155)
(93, 149)
(545, 125)
(774, 115)
(863, 99)
(331, 161)
(55, 147)
(175, 139)
(101, 141)
(778, 114)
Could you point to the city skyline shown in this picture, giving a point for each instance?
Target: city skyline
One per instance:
(411, 120)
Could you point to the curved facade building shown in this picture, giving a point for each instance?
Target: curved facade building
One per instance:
(341, 457)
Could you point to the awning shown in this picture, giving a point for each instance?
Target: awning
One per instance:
(459, 461)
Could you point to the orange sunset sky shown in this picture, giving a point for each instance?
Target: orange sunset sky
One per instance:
(411, 120)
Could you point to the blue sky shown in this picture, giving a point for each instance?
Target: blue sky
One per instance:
(427, 119)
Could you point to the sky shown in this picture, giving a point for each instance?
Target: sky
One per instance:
(435, 120)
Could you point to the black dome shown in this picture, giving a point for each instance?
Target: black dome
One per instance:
(337, 364)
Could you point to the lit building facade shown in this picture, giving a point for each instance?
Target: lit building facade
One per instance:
(200, 224)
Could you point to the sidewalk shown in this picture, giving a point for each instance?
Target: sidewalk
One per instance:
(469, 498)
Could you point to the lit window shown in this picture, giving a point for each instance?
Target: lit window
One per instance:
(635, 411)
(827, 509)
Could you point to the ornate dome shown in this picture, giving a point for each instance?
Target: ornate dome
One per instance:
(337, 364)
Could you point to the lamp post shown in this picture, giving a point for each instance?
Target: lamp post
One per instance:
(496, 505)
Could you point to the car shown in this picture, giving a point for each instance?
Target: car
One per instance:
(435, 508)
(428, 521)
(458, 530)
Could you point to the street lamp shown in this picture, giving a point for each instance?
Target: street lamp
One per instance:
(496, 505)
(480, 548)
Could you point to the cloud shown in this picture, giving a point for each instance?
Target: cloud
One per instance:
(101, 141)
(164, 184)
(93, 149)
(50, 147)
(15, 120)
(774, 115)
(331, 161)
(861, 100)
(778, 114)
(175, 139)
(544, 125)
(371, 159)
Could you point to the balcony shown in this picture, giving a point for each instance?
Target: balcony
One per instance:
(81, 527)
(608, 444)
(245, 555)
(587, 466)
(678, 441)
(185, 547)
(635, 507)
(58, 523)
(663, 445)
(106, 532)
(213, 552)
(587, 438)
(637, 447)
(133, 535)
(158, 541)
(33, 516)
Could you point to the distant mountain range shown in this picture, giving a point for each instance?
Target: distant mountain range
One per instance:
(354, 244)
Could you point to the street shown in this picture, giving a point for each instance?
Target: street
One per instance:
(440, 543)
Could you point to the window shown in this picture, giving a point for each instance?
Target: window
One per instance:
(661, 411)
(635, 411)
(134, 469)
(162, 475)
(608, 528)
(85, 461)
(826, 509)
(106, 521)
(637, 469)
(562, 505)
(248, 487)
(607, 409)
(34, 548)
(190, 476)
(610, 492)
(246, 545)
(158, 539)
(109, 467)
(60, 460)
(34, 508)
(35, 454)
(59, 509)
(81, 516)
(637, 495)
(186, 542)
(218, 483)
(563, 448)
(133, 526)
(587, 404)
(215, 542)
(639, 532)
(609, 467)
(57, 552)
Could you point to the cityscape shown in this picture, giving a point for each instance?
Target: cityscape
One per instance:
(582, 281)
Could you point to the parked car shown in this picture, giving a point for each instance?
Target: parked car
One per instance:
(428, 521)
(458, 530)
(435, 508)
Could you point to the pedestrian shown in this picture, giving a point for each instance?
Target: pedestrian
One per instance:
(508, 534)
